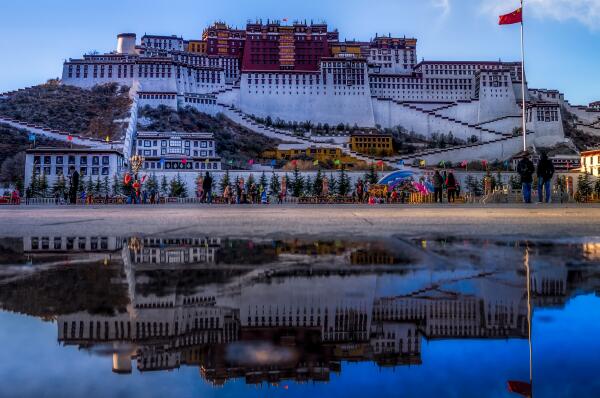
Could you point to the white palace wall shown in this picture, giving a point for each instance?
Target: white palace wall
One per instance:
(320, 103)
(390, 114)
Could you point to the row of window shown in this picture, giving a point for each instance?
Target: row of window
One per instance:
(175, 143)
(71, 160)
(61, 171)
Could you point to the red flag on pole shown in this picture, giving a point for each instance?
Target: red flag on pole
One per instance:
(512, 18)
(520, 387)
(69, 138)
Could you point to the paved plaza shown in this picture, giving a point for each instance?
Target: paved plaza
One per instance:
(339, 221)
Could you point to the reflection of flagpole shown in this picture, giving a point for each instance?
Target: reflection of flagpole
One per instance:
(529, 317)
(523, 79)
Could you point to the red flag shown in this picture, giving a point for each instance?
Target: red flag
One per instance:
(294, 162)
(69, 137)
(250, 162)
(127, 179)
(464, 163)
(512, 18)
(380, 163)
(184, 160)
(519, 387)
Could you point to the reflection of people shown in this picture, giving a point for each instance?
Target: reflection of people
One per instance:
(74, 184)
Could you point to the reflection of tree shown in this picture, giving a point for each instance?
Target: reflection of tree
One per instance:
(77, 287)
(245, 252)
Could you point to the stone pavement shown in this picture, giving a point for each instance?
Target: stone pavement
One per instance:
(335, 221)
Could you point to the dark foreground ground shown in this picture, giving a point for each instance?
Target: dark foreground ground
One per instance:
(516, 221)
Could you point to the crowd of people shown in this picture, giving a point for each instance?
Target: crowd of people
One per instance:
(440, 182)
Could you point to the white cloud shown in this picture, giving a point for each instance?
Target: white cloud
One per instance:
(586, 12)
(443, 5)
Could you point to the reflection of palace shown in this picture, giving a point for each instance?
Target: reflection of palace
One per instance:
(270, 311)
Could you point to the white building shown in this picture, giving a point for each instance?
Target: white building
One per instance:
(177, 151)
(57, 162)
(382, 84)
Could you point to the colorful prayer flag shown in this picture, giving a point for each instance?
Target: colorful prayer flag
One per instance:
(250, 162)
(32, 137)
(230, 161)
(273, 163)
(107, 139)
(422, 162)
(316, 162)
(337, 162)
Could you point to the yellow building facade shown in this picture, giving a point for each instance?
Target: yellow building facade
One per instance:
(590, 162)
(372, 144)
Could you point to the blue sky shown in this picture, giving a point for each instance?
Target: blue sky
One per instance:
(562, 36)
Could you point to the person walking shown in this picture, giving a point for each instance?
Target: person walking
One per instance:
(451, 187)
(227, 194)
(207, 188)
(438, 184)
(525, 169)
(545, 172)
(74, 184)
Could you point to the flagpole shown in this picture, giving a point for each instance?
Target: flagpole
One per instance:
(523, 79)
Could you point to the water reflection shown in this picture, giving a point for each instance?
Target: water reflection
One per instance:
(269, 311)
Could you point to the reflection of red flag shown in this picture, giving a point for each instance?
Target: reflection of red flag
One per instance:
(520, 387)
(514, 17)
(184, 160)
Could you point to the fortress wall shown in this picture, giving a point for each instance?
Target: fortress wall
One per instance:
(317, 103)
(463, 111)
(491, 151)
(505, 125)
(389, 114)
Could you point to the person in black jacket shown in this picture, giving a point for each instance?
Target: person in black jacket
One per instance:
(545, 172)
(74, 177)
(525, 168)
(207, 188)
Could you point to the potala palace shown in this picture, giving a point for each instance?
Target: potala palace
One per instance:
(302, 71)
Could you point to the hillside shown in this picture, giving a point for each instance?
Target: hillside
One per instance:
(233, 142)
(13, 143)
(90, 113)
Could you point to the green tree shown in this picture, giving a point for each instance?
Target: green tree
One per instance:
(32, 189)
(514, 182)
(371, 175)
(584, 188)
(116, 186)
(164, 186)
(473, 185)
(596, 186)
(178, 187)
(89, 186)
(297, 183)
(318, 184)
(43, 185)
(98, 186)
(263, 181)
(333, 186)
(308, 187)
(343, 183)
(249, 182)
(274, 185)
(152, 183)
(225, 181)
(59, 187)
